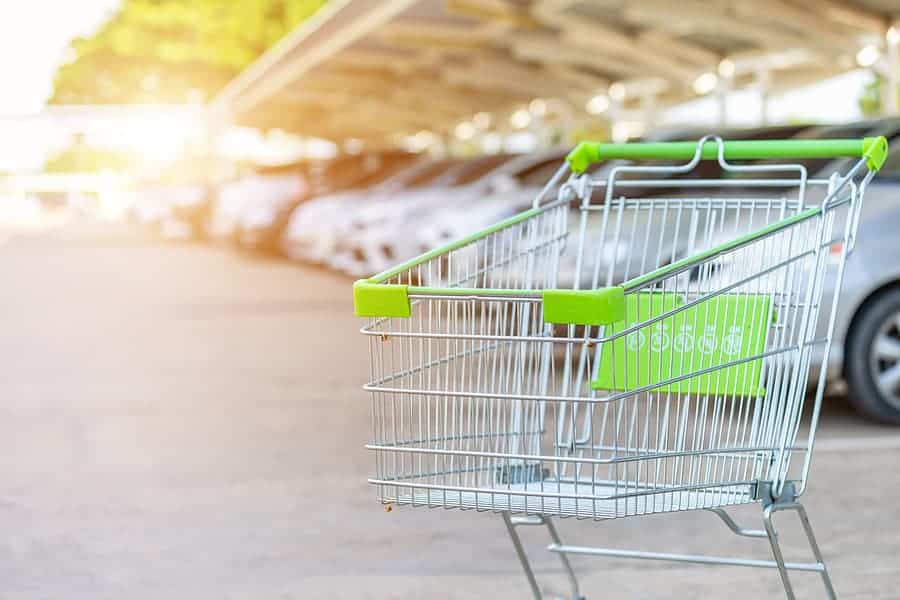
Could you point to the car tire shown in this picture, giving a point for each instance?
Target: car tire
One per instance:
(872, 364)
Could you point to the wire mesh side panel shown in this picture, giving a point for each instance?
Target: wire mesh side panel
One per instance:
(448, 383)
(629, 236)
(699, 393)
(688, 403)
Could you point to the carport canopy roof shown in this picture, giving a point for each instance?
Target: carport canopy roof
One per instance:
(376, 70)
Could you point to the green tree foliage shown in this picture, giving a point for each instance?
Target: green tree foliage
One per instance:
(173, 50)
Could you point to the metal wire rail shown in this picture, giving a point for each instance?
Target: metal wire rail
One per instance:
(671, 375)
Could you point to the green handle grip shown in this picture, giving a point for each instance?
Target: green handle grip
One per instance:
(873, 149)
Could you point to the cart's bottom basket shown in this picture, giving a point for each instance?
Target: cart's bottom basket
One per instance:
(566, 499)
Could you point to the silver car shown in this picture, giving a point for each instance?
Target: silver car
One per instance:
(865, 346)
(865, 349)
(383, 233)
(315, 227)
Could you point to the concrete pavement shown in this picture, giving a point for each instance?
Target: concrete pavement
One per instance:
(184, 422)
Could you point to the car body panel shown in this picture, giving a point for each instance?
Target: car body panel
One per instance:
(315, 227)
(873, 264)
(263, 223)
(432, 217)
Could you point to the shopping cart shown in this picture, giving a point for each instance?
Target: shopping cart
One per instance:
(671, 376)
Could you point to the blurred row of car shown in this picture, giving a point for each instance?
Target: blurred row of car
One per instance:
(360, 214)
(346, 213)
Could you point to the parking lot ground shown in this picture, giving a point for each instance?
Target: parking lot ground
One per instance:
(179, 421)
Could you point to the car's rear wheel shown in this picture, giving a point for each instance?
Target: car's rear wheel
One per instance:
(873, 358)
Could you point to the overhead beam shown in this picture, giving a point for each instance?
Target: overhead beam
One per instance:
(363, 85)
(582, 81)
(329, 127)
(346, 108)
(848, 15)
(394, 63)
(592, 36)
(817, 32)
(454, 101)
(695, 54)
(604, 39)
(553, 50)
(508, 76)
(416, 107)
(425, 34)
(500, 11)
(283, 64)
(684, 18)
(349, 109)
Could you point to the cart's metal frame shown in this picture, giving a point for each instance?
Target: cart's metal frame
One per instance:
(446, 436)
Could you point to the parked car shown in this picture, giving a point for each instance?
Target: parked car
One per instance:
(372, 243)
(528, 178)
(865, 346)
(189, 213)
(149, 206)
(316, 226)
(681, 246)
(261, 223)
(153, 206)
(174, 201)
(235, 199)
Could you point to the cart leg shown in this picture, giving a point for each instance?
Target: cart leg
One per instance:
(570, 572)
(776, 552)
(523, 558)
(511, 524)
(814, 545)
(811, 538)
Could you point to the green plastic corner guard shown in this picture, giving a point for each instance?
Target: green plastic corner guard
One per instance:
(873, 149)
(584, 307)
(380, 299)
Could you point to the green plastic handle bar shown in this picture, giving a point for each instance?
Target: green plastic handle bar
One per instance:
(574, 307)
(873, 149)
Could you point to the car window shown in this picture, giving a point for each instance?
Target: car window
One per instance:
(539, 174)
(352, 171)
(375, 173)
(428, 173)
(478, 168)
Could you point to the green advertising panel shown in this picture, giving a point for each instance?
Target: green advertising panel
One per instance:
(714, 332)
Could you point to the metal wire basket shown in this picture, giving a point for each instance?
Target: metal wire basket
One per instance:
(665, 370)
